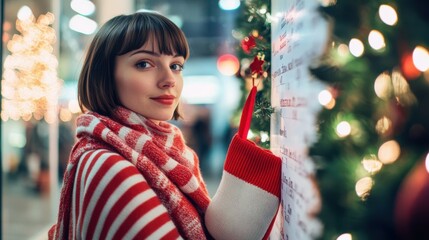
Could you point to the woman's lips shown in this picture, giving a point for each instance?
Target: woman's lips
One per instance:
(165, 100)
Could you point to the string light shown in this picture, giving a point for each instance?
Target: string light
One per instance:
(421, 58)
(84, 7)
(356, 47)
(229, 4)
(343, 50)
(30, 85)
(343, 129)
(383, 125)
(345, 236)
(371, 164)
(388, 14)
(25, 13)
(326, 3)
(82, 24)
(363, 187)
(383, 86)
(324, 97)
(65, 115)
(376, 40)
(389, 152)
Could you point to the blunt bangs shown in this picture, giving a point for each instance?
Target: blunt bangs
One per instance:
(142, 27)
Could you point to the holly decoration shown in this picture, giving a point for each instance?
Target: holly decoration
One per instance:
(248, 43)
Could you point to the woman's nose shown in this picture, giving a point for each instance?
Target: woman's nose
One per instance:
(167, 78)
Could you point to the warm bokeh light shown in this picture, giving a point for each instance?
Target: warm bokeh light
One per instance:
(376, 40)
(331, 104)
(345, 236)
(343, 50)
(389, 152)
(325, 97)
(25, 13)
(229, 4)
(255, 33)
(388, 14)
(421, 58)
(228, 64)
(343, 129)
(356, 47)
(84, 7)
(427, 162)
(327, 3)
(383, 86)
(383, 125)
(74, 106)
(82, 24)
(371, 164)
(402, 90)
(65, 115)
(262, 10)
(363, 187)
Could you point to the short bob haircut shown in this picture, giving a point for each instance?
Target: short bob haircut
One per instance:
(96, 88)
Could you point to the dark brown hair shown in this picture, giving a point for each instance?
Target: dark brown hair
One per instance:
(121, 34)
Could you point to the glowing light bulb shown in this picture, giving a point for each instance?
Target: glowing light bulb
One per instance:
(343, 50)
(388, 14)
(383, 125)
(325, 97)
(343, 129)
(383, 86)
(356, 47)
(363, 187)
(228, 64)
(331, 104)
(229, 4)
(263, 10)
(371, 164)
(345, 236)
(65, 115)
(84, 7)
(376, 40)
(82, 24)
(421, 58)
(24, 13)
(389, 152)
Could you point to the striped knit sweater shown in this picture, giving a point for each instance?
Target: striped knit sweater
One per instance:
(112, 194)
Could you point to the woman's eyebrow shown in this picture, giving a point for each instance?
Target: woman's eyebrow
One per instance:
(147, 52)
(151, 53)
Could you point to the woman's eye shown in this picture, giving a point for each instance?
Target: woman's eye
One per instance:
(177, 67)
(143, 64)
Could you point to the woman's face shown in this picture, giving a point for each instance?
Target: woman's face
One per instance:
(149, 83)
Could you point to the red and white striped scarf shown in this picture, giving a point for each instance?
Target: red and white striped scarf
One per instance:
(161, 155)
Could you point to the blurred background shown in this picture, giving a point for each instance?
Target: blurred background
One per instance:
(210, 96)
(371, 153)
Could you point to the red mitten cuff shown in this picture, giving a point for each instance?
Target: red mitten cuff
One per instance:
(255, 165)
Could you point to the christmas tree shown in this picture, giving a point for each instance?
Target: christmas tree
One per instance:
(374, 129)
(30, 85)
(254, 32)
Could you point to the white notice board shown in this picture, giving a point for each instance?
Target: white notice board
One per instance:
(299, 36)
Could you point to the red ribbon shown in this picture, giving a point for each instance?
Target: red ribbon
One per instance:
(246, 115)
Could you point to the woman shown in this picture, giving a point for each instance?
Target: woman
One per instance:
(130, 174)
